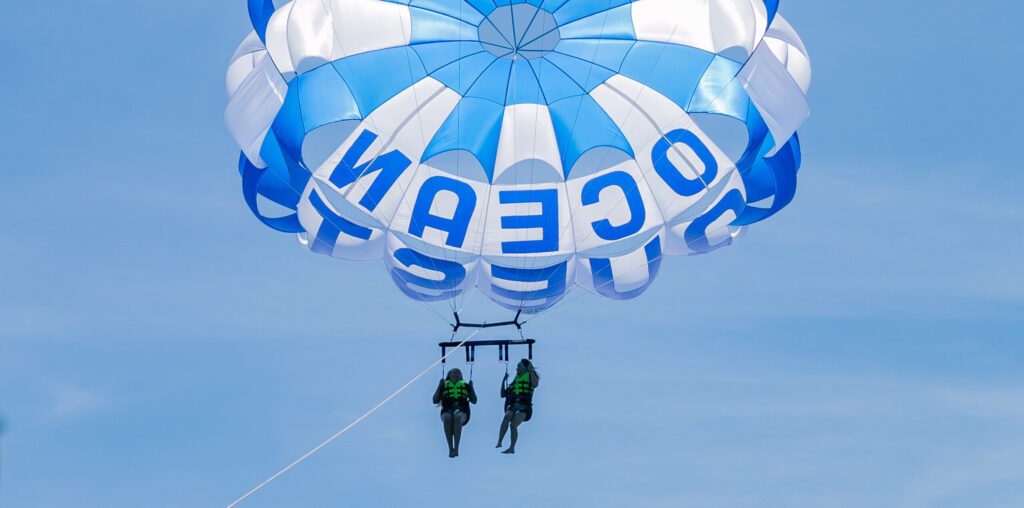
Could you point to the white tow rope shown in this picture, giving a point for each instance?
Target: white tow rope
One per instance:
(355, 422)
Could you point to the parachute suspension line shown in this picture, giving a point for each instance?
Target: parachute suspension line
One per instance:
(423, 139)
(569, 224)
(341, 432)
(576, 117)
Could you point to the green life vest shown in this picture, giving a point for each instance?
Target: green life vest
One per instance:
(522, 385)
(456, 390)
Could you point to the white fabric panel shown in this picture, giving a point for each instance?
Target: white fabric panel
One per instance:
(631, 271)
(310, 34)
(495, 234)
(719, 233)
(411, 118)
(783, 31)
(775, 93)
(277, 40)
(645, 116)
(468, 262)
(345, 246)
(527, 134)
(612, 205)
(434, 241)
(306, 33)
(711, 25)
(486, 283)
(248, 54)
(252, 107)
(789, 49)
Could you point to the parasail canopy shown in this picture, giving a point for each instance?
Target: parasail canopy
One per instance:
(518, 147)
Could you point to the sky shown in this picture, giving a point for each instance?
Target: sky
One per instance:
(159, 347)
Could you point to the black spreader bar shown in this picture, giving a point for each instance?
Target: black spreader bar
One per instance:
(515, 322)
(471, 346)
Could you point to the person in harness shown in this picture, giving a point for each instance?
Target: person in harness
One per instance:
(518, 401)
(455, 396)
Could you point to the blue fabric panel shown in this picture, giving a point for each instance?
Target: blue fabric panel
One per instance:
(604, 277)
(523, 87)
(454, 275)
(719, 91)
(483, 6)
(613, 24)
(583, 73)
(772, 176)
(606, 53)
(314, 99)
(552, 5)
(493, 83)
(474, 126)
(577, 9)
(696, 233)
(260, 12)
(773, 8)
(435, 55)
(332, 226)
(757, 137)
(377, 76)
(429, 26)
(672, 70)
(462, 74)
(288, 126)
(556, 84)
(457, 10)
(580, 125)
(251, 180)
(285, 178)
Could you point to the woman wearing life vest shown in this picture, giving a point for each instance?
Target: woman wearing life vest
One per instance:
(455, 396)
(518, 401)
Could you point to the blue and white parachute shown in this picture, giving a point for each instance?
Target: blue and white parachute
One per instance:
(519, 147)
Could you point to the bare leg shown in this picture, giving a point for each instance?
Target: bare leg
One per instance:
(458, 421)
(517, 420)
(504, 427)
(449, 432)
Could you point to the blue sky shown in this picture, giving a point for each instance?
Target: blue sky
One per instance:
(161, 348)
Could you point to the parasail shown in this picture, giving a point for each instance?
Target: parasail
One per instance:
(521, 148)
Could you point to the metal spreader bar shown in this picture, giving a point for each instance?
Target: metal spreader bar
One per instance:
(515, 322)
(471, 345)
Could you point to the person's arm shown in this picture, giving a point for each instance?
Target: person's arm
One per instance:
(472, 393)
(504, 387)
(437, 393)
(534, 378)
